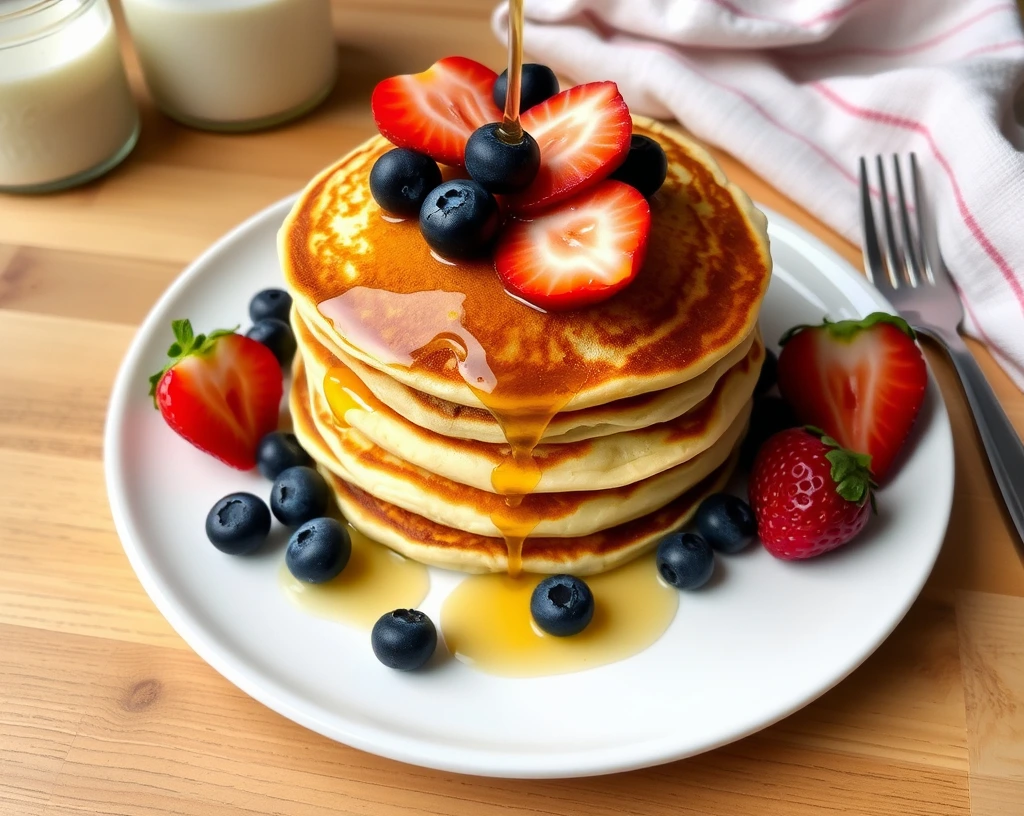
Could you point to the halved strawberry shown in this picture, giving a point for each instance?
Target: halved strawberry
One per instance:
(862, 381)
(220, 391)
(580, 252)
(436, 111)
(583, 134)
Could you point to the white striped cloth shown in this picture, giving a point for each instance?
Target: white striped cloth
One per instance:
(799, 89)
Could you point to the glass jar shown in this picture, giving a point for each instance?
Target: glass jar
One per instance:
(234, 65)
(66, 112)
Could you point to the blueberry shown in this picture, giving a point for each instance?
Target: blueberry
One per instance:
(318, 551)
(278, 451)
(500, 167)
(537, 83)
(275, 303)
(726, 522)
(277, 336)
(645, 166)
(769, 416)
(238, 524)
(401, 179)
(404, 639)
(685, 560)
(299, 494)
(769, 369)
(562, 605)
(459, 218)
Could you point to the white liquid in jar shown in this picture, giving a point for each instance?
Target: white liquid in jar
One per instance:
(66, 111)
(234, 62)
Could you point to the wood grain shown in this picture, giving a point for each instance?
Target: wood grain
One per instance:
(103, 709)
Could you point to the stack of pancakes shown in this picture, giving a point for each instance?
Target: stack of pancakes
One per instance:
(466, 429)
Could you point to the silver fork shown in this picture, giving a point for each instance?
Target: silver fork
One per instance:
(909, 271)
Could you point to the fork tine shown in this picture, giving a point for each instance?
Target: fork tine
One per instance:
(893, 254)
(913, 267)
(874, 265)
(935, 268)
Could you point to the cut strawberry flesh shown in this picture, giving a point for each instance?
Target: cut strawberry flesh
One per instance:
(583, 134)
(436, 111)
(578, 253)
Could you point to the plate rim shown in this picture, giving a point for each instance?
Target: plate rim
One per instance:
(466, 760)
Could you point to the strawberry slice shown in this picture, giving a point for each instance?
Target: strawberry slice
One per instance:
(220, 391)
(436, 111)
(583, 134)
(581, 252)
(862, 381)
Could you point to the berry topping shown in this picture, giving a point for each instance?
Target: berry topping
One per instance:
(238, 524)
(277, 336)
(459, 219)
(299, 495)
(645, 166)
(318, 551)
(278, 451)
(809, 495)
(436, 111)
(537, 84)
(401, 179)
(861, 381)
(769, 416)
(685, 560)
(275, 303)
(220, 391)
(726, 522)
(768, 375)
(583, 251)
(562, 605)
(583, 134)
(404, 639)
(498, 166)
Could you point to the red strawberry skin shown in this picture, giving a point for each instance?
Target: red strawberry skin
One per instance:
(862, 382)
(578, 253)
(223, 398)
(436, 111)
(583, 134)
(799, 511)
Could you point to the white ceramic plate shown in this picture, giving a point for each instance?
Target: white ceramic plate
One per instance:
(765, 640)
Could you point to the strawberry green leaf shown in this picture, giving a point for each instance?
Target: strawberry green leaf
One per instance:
(848, 329)
(850, 472)
(187, 343)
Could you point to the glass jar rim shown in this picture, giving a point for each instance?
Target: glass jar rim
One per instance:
(21, 21)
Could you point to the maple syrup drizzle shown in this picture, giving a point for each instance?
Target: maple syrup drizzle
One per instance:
(511, 131)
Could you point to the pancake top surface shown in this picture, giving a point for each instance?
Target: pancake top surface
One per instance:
(439, 326)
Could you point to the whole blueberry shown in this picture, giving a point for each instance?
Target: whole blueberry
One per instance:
(769, 416)
(459, 218)
(562, 605)
(238, 524)
(403, 639)
(318, 551)
(278, 451)
(537, 83)
(500, 167)
(685, 560)
(299, 494)
(769, 371)
(275, 303)
(645, 167)
(401, 179)
(277, 336)
(726, 522)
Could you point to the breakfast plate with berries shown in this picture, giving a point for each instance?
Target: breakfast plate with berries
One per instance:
(527, 462)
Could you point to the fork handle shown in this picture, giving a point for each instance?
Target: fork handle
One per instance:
(1002, 444)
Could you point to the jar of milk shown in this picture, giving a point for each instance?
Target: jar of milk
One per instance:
(234, 64)
(66, 112)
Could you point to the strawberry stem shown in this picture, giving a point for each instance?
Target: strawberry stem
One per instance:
(848, 329)
(186, 344)
(851, 471)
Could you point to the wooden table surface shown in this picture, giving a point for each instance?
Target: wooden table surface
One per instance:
(104, 709)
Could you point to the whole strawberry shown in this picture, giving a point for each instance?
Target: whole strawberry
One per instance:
(809, 494)
(220, 391)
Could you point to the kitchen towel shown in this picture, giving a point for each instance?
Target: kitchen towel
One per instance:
(798, 90)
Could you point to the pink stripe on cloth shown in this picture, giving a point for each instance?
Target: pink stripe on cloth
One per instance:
(825, 17)
(924, 45)
(904, 123)
(988, 49)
